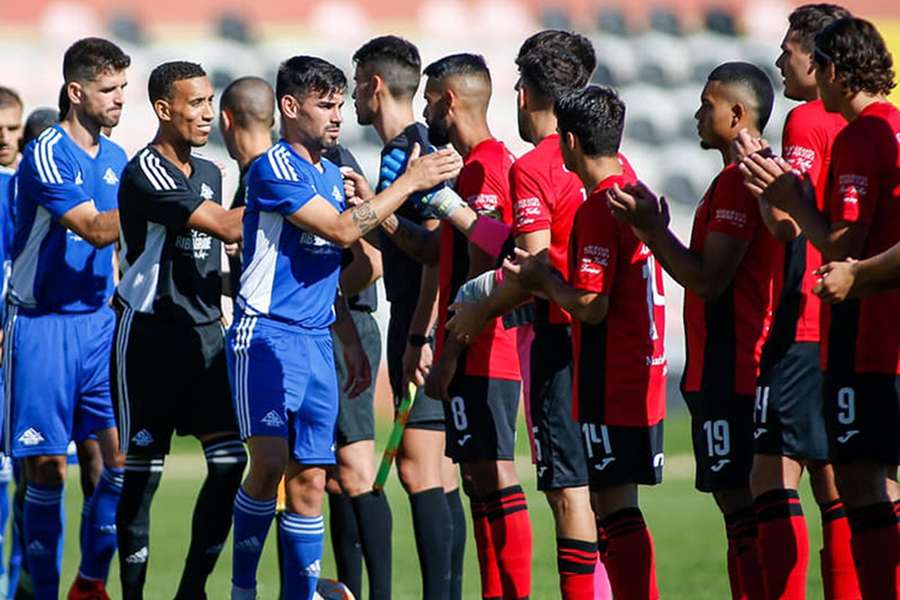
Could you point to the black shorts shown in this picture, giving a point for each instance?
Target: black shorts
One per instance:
(618, 455)
(862, 415)
(788, 416)
(169, 377)
(427, 413)
(722, 435)
(356, 419)
(481, 419)
(559, 451)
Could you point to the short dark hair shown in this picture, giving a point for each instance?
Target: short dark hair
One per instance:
(63, 103)
(595, 115)
(9, 97)
(250, 100)
(90, 57)
(303, 75)
(553, 62)
(458, 64)
(39, 120)
(808, 20)
(754, 80)
(159, 86)
(395, 59)
(861, 59)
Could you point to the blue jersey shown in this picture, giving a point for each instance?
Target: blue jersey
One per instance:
(290, 275)
(54, 269)
(7, 229)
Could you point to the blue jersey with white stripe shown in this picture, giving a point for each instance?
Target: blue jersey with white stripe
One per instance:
(290, 275)
(54, 269)
(7, 229)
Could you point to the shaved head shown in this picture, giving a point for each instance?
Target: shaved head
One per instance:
(749, 85)
(466, 74)
(251, 103)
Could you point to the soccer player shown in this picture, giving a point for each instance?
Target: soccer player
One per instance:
(727, 272)
(615, 296)
(854, 73)
(172, 224)
(59, 331)
(386, 77)
(280, 350)
(479, 384)
(545, 198)
(789, 421)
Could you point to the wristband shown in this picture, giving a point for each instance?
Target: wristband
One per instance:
(417, 341)
(443, 202)
(490, 235)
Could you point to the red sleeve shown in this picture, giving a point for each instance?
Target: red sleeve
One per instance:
(530, 210)
(482, 191)
(734, 210)
(802, 145)
(854, 168)
(594, 248)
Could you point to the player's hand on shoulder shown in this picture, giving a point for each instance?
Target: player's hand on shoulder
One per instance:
(427, 171)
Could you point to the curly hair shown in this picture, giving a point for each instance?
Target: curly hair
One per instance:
(860, 57)
(554, 62)
(808, 20)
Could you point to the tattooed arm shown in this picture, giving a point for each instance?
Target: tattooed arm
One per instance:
(320, 217)
(419, 241)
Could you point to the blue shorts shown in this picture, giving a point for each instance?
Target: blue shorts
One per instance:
(57, 379)
(284, 384)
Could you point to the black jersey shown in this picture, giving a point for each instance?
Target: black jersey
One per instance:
(170, 270)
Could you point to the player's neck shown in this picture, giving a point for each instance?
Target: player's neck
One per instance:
(593, 170)
(465, 137)
(83, 132)
(250, 144)
(176, 152)
(543, 123)
(392, 120)
(853, 107)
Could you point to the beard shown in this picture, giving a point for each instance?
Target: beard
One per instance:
(438, 134)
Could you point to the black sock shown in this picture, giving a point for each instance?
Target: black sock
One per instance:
(345, 542)
(374, 521)
(225, 462)
(458, 550)
(433, 528)
(142, 475)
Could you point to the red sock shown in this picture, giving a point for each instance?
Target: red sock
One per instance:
(744, 570)
(838, 571)
(876, 548)
(629, 557)
(783, 543)
(507, 513)
(575, 560)
(487, 555)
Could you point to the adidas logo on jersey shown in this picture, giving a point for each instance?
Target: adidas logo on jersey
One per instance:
(110, 177)
(251, 544)
(31, 437)
(206, 192)
(36, 548)
(142, 438)
(139, 557)
(272, 419)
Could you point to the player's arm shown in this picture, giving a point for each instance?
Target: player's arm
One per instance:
(344, 228)
(840, 280)
(417, 356)
(224, 224)
(420, 242)
(707, 273)
(99, 229)
(359, 372)
(364, 269)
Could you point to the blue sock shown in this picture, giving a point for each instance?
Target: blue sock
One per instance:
(5, 475)
(252, 519)
(98, 542)
(17, 531)
(43, 532)
(302, 539)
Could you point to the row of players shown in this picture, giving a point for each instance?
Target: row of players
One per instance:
(750, 314)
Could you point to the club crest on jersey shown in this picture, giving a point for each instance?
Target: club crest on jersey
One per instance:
(337, 195)
(206, 192)
(142, 438)
(79, 179)
(110, 177)
(31, 437)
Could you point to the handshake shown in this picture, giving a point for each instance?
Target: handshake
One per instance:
(439, 202)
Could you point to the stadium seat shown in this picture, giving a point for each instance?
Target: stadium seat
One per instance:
(687, 171)
(126, 27)
(611, 20)
(651, 117)
(233, 26)
(555, 17)
(663, 59)
(618, 56)
(720, 21)
(665, 20)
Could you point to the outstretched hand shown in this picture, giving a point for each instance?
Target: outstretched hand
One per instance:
(427, 171)
(524, 270)
(638, 206)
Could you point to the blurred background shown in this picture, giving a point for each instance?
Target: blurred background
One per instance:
(656, 53)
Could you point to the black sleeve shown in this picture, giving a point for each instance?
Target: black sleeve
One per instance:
(162, 197)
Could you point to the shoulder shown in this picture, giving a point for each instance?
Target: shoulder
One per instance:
(46, 155)
(147, 171)
(207, 168)
(115, 153)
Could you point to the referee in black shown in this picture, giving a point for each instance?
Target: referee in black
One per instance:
(360, 520)
(169, 354)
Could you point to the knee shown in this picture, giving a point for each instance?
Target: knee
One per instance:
(410, 476)
(860, 485)
(306, 492)
(266, 471)
(354, 482)
(47, 470)
(568, 501)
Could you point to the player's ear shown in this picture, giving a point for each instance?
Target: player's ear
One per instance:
(378, 84)
(739, 112)
(75, 92)
(225, 118)
(162, 109)
(288, 105)
(572, 142)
